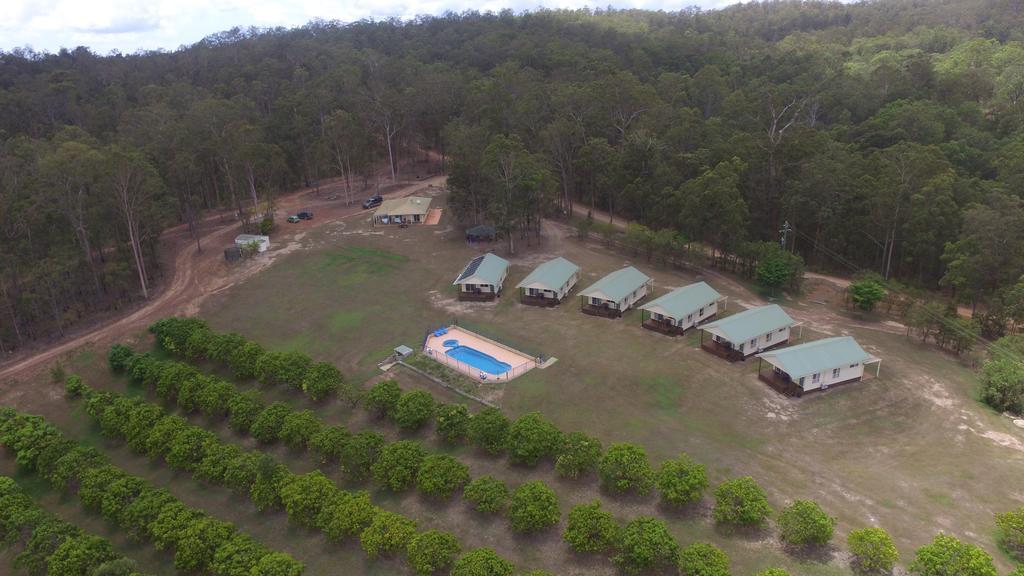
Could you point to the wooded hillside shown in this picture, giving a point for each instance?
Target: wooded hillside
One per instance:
(889, 134)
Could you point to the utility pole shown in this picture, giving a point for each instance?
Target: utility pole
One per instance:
(786, 229)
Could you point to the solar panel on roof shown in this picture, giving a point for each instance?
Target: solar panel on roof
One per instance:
(470, 268)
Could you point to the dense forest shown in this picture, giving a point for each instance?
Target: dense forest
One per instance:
(888, 134)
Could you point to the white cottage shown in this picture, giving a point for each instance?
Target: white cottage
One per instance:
(815, 365)
(681, 308)
(482, 278)
(615, 293)
(740, 335)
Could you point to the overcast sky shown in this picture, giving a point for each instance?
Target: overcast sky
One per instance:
(128, 25)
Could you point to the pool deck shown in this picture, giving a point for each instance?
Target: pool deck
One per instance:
(434, 348)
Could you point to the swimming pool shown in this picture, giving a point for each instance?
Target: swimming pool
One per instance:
(479, 360)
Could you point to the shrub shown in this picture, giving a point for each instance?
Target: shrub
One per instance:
(702, 559)
(452, 422)
(872, 550)
(531, 438)
(741, 502)
(189, 447)
(804, 522)
(946, 555)
(283, 368)
(305, 495)
(414, 409)
(488, 429)
(383, 398)
(74, 387)
(386, 533)
(118, 357)
(646, 544)
(329, 442)
(320, 381)
(441, 475)
(267, 426)
(534, 507)
(346, 514)
(482, 562)
(214, 398)
(431, 551)
(1002, 385)
(866, 293)
(398, 463)
(299, 428)
(487, 494)
(358, 455)
(243, 360)
(277, 564)
(681, 481)
(773, 572)
(1010, 526)
(590, 528)
(579, 455)
(243, 408)
(625, 467)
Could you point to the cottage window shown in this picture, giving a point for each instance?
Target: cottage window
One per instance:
(699, 312)
(815, 378)
(768, 337)
(853, 365)
(835, 372)
(689, 318)
(781, 330)
(753, 342)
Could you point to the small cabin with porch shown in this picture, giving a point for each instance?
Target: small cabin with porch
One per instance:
(482, 278)
(749, 332)
(408, 210)
(814, 366)
(681, 308)
(549, 283)
(615, 293)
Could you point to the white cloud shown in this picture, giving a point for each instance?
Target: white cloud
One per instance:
(128, 25)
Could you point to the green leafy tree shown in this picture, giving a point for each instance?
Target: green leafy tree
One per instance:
(488, 429)
(578, 456)
(531, 437)
(267, 426)
(487, 494)
(681, 481)
(646, 544)
(321, 380)
(214, 398)
(1010, 530)
(346, 514)
(298, 429)
(534, 507)
(946, 555)
(873, 551)
(383, 397)
(703, 559)
(243, 408)
(118, 356)
(741, 502)
(305, 495)
(243, 360)
(81, 554)
(283, 368)
(804, 522)
(387, 533)
(398, 463)
(482, 562)
(440, 475)
(329, 442)
(866, 293)
(1002, 384)
(773, 572)
(452, 422)
(277, 564)
(358, 455)
(414, 409)
(590, 528)
(431, 551)
(624, 467)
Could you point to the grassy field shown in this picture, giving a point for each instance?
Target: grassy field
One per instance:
(910, 451)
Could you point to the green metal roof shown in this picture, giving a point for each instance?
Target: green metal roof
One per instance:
(550, 275)
(489, 268)
(818, 356)
(751, 323)
(618, 284)
(686, 300)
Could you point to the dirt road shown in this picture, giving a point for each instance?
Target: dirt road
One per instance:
(194, 275)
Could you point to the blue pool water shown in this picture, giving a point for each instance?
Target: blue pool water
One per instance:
(479, 360)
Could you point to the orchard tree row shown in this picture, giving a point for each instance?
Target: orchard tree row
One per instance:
(200, 542)
(50, 545)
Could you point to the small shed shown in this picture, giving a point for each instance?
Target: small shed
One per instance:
(815, 365)
(549, 283)
(408, 210)
(402, 351)
(681, 308)
(615, 293)
(245, 241)
(482, 278)
(232, 254)
(740, 335)
(481, 233)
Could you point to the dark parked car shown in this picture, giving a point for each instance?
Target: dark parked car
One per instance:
(305, 215)
(373, 201)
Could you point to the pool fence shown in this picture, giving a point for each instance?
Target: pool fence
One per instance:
(476, 373)
(500, 340)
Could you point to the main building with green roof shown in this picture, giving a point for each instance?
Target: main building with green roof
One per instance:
(754, 330)
(615, 293)
(549, 283)
(681, 308)
(482, 278)
(815, 365)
